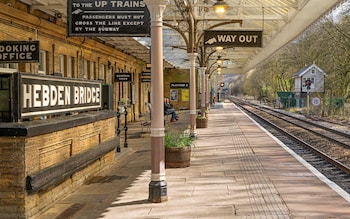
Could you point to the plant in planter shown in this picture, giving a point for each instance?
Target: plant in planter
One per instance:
(207, 113)
(177, 149)
(123, 102)
(201, 121)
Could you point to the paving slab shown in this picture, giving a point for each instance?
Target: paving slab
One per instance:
(238, 171)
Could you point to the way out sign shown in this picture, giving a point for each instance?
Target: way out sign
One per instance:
(233, 38)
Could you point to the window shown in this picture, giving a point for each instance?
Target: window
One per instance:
(42, 62)
(69, 67)
(8, 67)
(311, 79)
(61, 64)
(85, 69)
(92, 70)
(5, 106)
(102, 70)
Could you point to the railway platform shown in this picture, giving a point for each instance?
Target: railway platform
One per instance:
(238, 170)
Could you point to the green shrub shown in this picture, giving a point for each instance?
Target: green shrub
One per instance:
(177, 139)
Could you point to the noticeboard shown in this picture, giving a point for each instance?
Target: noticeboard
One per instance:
(174, 93)
(107, 18)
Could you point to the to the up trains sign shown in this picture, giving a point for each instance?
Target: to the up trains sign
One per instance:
(108, 18)
(43, 95)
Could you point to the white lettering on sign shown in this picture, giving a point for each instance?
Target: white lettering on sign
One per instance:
(133, 23)
(37, 95)
(101, 3)
(12, 51)
(17, 48)
(119, 4)
(16, 56)
(234, 38)
(97, 16)
(128, 4)
(83, 95)
(102, 29)
(44, 95)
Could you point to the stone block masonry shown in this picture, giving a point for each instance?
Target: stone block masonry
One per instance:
(43, 161)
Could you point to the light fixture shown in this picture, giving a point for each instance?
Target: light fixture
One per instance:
(219, 68)
(219, 49)
(175, 23)
(58, 14)
(219, 61)
(220, 7)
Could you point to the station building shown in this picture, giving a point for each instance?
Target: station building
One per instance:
(58, 107)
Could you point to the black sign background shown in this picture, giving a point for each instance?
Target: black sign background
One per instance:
(17, 51)
(146, 74)
(179, 85)
(233, 38)
(122, 77)
(108, 18)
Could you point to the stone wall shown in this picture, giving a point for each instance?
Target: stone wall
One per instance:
(51, 159)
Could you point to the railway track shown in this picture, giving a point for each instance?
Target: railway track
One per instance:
(327, 149)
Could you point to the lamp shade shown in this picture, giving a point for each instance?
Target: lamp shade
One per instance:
(220, 7)
(219, 60)
(219, 49)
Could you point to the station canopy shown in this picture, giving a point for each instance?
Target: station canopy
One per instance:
(280, 21)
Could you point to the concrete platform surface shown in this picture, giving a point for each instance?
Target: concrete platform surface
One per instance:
(238, 170)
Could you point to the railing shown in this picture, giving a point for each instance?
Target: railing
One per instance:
(125, 128)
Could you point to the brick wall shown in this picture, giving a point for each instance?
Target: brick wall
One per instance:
(23, 156)
(12, 178)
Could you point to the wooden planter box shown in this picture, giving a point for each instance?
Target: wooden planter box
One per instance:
(177, 157)
(202, 123)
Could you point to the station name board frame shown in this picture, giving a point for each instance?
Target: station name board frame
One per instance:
(36, 95)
